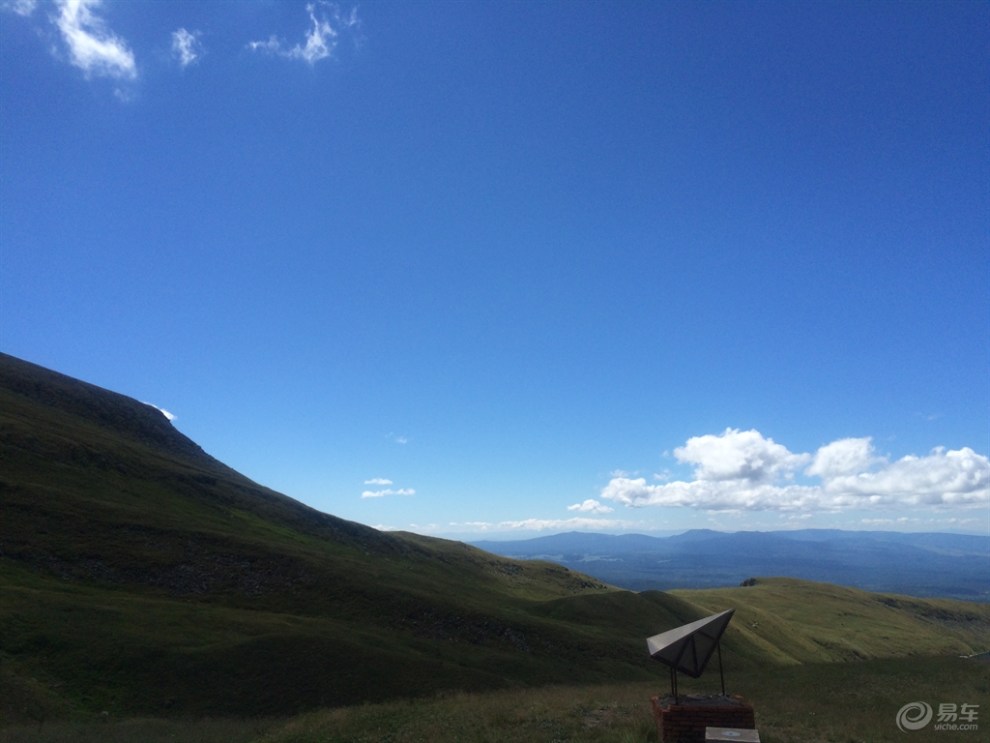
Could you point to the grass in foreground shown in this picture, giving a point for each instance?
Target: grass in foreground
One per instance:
(815, 703)
(140, 730)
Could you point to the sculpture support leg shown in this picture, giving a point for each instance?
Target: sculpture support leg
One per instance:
(721, 673)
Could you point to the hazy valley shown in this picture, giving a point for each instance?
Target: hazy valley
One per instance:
(917, 564)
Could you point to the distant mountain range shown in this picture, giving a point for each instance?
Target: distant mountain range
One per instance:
(916, 564)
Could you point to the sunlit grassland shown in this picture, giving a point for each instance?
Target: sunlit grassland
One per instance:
(785, 620)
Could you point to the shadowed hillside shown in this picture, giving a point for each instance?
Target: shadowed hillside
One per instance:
(134, 564)
(142, 576)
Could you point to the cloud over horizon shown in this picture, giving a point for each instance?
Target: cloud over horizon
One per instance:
(385, 490)
(537, 524)
(590, 505)
(745, 471)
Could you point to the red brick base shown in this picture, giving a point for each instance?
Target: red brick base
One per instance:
(685, 722)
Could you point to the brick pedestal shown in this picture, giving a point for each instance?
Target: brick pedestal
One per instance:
(685, 721)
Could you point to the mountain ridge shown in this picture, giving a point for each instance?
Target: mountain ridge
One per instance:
(137, 427)
(142, 576)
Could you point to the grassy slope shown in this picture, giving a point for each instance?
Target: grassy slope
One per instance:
(139, 575)
(790, 621)
(137, 571)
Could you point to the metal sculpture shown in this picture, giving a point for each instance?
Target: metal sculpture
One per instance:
(689, 648)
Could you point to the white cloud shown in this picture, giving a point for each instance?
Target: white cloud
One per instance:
(711, 495)
(942, 478)
(20, 7)
(271, 46)
(577, 522)
(386, 492)
(743, 471)
(591, 506)
(738, 455)
(888, 522)
(320, 39)
(843, 457)
(163, 411)
(557, 524)
(92, 47)
(186, 46)
(378, 481)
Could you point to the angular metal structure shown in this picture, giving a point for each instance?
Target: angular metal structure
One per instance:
(688, 648)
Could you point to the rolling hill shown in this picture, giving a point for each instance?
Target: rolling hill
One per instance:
(140, 576)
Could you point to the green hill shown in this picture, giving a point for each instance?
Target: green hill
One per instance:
(140, 576)
(789, 621)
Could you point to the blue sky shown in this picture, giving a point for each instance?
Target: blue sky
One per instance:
(481, 269)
